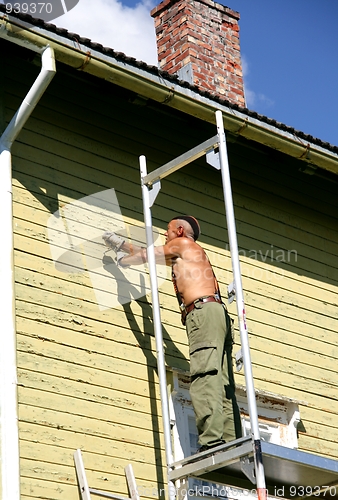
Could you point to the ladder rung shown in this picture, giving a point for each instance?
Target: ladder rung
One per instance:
(180, 161)
(106, 494)
(222, 447)
(214, 460)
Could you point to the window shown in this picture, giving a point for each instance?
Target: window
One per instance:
(278, 417)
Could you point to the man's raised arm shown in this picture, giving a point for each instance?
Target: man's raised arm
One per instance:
(128, 254)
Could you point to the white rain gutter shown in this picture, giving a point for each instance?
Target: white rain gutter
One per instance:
(9, 431)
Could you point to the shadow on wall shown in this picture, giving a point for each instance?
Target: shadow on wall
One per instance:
(127, 290)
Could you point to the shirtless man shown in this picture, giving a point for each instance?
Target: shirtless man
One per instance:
(207, 324)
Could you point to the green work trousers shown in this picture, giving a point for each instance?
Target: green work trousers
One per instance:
(212, 388)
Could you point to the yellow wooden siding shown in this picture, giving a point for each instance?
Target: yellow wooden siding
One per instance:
(87, 378)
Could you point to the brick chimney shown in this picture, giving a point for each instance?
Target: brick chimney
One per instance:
(199, 41)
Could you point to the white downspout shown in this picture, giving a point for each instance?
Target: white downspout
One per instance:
(9, 432)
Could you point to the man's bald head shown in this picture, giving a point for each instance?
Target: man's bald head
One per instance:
(190, 225)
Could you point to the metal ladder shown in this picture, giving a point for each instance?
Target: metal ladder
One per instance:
(215, 151)
(86, 491)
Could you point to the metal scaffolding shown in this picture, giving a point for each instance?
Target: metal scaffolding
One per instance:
(247, 460)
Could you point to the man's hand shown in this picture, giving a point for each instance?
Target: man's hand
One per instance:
(112, 240)
(119, 256)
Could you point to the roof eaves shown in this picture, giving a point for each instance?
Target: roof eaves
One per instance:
(150, 82)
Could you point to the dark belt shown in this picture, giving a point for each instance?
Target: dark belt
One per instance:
(202, 300)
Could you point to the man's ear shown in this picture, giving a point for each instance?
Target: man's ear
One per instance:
(180, 231)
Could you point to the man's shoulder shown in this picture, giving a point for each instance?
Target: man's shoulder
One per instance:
(183, 244)
(184, 241)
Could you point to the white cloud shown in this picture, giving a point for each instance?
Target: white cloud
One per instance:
(245, 66)
(254, 100)
(124, 29)
(250, 97)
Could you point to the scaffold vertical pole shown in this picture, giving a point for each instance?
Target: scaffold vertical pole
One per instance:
(150, 187)
(230, 217)
(147, 203)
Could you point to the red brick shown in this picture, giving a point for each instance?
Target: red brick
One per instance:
(206, 34)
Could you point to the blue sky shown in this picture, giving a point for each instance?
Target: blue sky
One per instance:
(289, 53)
